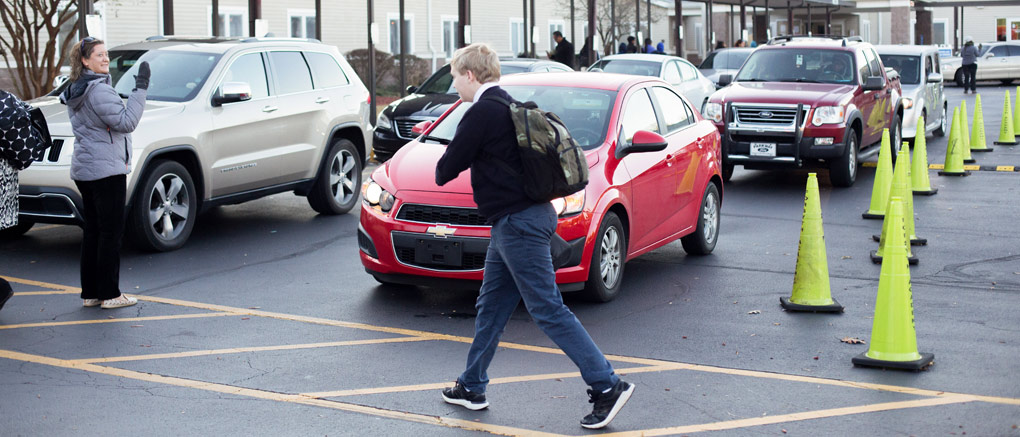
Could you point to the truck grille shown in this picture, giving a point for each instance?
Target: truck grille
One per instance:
(440, 214)
(766, 115)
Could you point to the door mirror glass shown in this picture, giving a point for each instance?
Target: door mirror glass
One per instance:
(231, 92)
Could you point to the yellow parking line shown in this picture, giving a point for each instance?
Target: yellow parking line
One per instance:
(936, 166)
(267, 395)
(794, 417)
(1005, 168)
(237, 350)
(503, 380)
(41, 284)
(129, 319)
(44, 293)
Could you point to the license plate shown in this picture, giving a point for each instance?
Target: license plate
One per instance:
(438, 252)
(763, 149)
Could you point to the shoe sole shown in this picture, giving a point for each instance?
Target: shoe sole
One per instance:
(90, 306)
(120, 305)
(624, 397)
(466, 403)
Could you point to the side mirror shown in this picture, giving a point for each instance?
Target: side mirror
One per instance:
(421, 127)
(59, 80)
(644, 141)
(594, 70)
(411, 89)
(874, 83)
(231, 92)
(990, 55)
(725, 79)
(935, 78)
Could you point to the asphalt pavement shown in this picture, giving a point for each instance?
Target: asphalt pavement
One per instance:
(266, 323)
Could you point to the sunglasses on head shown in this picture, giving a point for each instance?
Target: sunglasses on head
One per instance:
(86, 40)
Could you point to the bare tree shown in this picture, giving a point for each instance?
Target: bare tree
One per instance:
(35, 49)
(608, 31)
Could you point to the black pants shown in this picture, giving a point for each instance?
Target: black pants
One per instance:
(970, 77)
(103, 202)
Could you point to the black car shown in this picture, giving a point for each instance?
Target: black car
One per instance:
(432, 99)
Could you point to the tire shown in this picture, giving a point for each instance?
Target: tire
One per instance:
(16, 231)
(895, 137)
(164, 208)
(1007, 81)
(338, 185)
(843, 171)
(959, 78)
(605, 273)
(702, 240)
(943, 123)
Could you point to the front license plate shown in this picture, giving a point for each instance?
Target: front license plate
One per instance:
(763, 149)
(438, 252)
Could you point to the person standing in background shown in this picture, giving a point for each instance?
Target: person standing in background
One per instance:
(564, 53)
(969, 65)
(102, 126)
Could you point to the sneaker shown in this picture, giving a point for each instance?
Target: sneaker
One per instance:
(607, 404)
(119, 302)
(459, 395)
(90, 302)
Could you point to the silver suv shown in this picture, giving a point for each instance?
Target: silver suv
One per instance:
(226, 121)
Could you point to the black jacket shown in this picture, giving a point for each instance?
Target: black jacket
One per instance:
(564, 53)
(486, 134)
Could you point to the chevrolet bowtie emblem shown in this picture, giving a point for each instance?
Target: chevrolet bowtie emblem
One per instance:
(440, 231)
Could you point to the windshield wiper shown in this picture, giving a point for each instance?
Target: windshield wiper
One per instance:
(752, 80)
(436, 139)
(801, 80)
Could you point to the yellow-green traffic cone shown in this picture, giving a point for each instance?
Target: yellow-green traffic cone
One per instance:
(893, 336)
(965, 134)
(919, 181)
(978, 143)
(954, 158)
(1006, 135)
(883, 180)
(900, 189)
(1016, 113)
(811, 281)
(908, 203)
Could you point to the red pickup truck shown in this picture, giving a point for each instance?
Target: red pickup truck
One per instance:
(807, 102)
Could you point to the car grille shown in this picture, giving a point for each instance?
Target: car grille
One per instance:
(404, 126)
(470, 261)
(768, 115)
(468, 253)
(440, 214)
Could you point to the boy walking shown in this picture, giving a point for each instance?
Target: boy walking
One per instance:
(518, 265)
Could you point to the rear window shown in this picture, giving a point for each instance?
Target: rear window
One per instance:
(326, 73)
(292, 75)
(627, 66)
(908, 66)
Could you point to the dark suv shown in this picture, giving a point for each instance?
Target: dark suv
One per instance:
(807, 101)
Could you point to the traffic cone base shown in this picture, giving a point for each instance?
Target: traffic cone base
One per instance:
(864, 360)
(913, 241)
(834, 307)
(962, 173)
(933, 191)
(871, 216)
(981, 151)
(969, 161)
(1000, 143)
(877, 259)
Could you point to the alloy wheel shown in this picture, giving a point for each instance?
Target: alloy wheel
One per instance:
(342, 177)
(169, 206)
(610, 259)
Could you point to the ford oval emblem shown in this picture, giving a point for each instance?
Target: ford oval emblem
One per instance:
(765, 114)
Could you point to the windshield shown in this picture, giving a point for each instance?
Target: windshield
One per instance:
(176, 76)
(798, 65)
(725, 60)
(441, 82)
(908, 66)
(628, 66)
(584, 111)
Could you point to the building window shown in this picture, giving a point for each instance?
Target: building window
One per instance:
(1007, 29)
(516, 36)
(450, 27)
(233, 21)
(301, 23)
(938, 32)
(394, 33)
(556, 25)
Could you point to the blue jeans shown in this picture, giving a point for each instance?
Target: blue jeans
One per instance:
(518, 266)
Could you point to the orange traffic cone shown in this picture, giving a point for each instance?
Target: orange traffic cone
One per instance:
(811, 281)
(893, 334)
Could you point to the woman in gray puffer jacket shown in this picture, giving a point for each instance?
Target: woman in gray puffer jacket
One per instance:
(102, 126)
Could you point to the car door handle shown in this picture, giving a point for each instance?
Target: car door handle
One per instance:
(669, 160)
(322, 100)
(268, 108)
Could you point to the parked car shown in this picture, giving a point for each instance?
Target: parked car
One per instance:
(226, 121)
(723, 61)
(431, 99)
(674, 70)
(996, 61)
(807, 101)
(922, 86)
(653, 178)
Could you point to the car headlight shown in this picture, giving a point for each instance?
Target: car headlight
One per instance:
(908, 103)
(567, 205)
(827, 115)
(713, 111)
(384, 122)
(378, 198)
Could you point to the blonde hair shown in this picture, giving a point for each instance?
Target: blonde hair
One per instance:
(78, 53)
(479, 59)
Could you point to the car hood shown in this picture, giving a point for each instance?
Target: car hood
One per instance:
(413, 167)
(429, 106)
(60, 124)
(814, 94)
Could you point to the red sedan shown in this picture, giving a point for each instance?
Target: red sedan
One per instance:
(654, 177)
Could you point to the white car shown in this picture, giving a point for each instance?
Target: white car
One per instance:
(675, 70)
(996, 61)
(922, 82)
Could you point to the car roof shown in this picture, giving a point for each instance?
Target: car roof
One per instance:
(734, 49)
(650, 57)
(205, 44)
(805, 42)
(525, 62)
(889, 49)
(577, 79)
